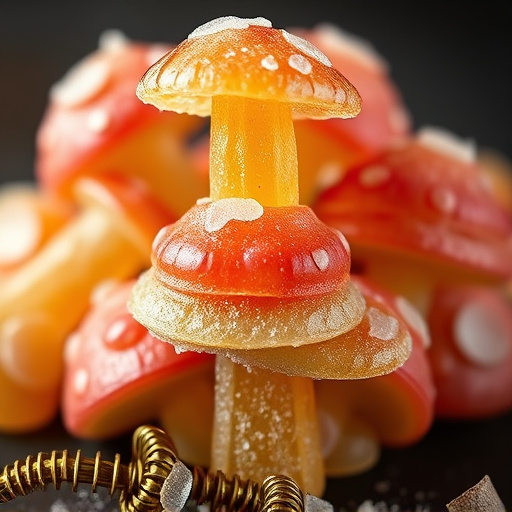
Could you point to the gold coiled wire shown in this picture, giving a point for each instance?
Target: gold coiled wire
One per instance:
(140, 482)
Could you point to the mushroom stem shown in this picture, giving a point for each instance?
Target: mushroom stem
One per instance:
(253, 152)
(264, 423)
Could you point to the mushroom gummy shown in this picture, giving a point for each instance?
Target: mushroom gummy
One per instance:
(250, 268)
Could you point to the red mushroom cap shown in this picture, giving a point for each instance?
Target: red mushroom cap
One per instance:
(235, 246)
(94, 121)
(383, 119)
(471, 352)
(117, 375)
(421, 201)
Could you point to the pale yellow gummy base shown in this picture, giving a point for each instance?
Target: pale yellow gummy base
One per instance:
(241, 322)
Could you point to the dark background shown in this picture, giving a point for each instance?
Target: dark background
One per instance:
(452, 61)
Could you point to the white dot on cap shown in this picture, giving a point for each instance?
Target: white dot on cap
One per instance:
(480, 335)
(98, 120)
(443, 199)
(270, 63)
(374, 176)
(81, 381)
(300, 63)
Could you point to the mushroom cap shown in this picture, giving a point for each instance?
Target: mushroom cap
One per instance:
(236, 246)
(116, 374)
(426, 200)
(249, 58)
(394, 410)
(383, 119)
(94, 120)
(471, 352)
(377, 345)
(135, 206)
(233, 274)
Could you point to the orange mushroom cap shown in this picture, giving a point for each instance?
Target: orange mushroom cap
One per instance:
(218, 57)
(424, 199)
(138, 210)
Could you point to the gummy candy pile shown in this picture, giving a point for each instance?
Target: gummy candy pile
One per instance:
(241, 238)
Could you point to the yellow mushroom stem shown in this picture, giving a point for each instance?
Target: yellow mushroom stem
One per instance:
(264, 422)
(253, 151)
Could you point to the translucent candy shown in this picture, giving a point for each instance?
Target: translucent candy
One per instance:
(265, 424)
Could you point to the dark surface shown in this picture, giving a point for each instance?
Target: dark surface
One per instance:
(451, 458)
(453, 64)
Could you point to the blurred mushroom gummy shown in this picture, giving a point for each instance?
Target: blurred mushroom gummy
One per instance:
(43, 300)
(250, 268)
(94, 123)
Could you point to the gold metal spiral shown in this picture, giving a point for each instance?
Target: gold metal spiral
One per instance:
(140, 482)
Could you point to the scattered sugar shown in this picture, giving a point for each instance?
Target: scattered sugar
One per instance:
(227, 22)
(314, 504)
(220, 212)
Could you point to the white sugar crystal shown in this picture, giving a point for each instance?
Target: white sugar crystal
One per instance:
(447, 143)
(382, 326)
(80, 381)
(306, 47)
(314, 504)
(227, 22)
(220, 212)
(98, 120)
(176, 488)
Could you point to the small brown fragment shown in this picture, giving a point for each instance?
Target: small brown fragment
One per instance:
(480, 498)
